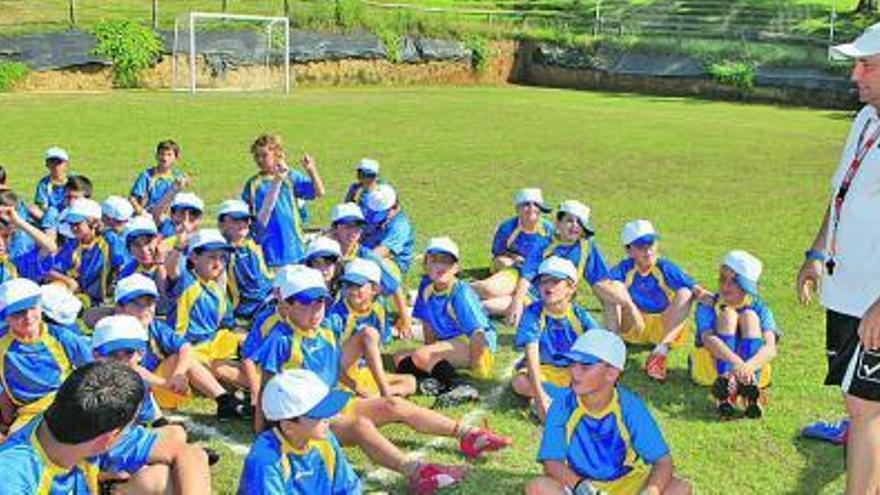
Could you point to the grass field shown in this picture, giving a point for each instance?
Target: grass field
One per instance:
(711, 176)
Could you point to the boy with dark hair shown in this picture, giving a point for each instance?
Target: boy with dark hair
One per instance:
(157, 185)
(77, 187)
(52, 187)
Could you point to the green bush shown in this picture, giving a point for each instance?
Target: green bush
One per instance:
(736, 74)
(479, 53)
(391, 42)
(129, 46)
(11, 73)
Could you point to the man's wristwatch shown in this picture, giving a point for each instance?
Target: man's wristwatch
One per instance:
(814, 255)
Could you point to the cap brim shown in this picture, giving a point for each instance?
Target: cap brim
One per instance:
(131, 296)
(186, 207)
(236, 215)
(212, 246)
(747, 285)
(310, 296)
(541, 206)
(108, 348)
(578, 357)
(368, 173)
(74, 218)
(330, 406)
(355, 279)
(349, 220)
(441, 251)
(848, 51)
(553, 273)
(645, 240)
(22, 305)
(321, 254)
(129, 236)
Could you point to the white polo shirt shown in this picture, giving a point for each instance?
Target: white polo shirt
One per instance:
(855, 284)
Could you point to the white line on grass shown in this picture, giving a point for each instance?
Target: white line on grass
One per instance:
(211, 433)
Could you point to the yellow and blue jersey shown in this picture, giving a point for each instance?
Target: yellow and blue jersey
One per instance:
(396, 235)
(266, 321)
(511, 238)
(32, 369)
(454, 312)
(652, 291)
(282, 238)
(354, 321)
(201, 310)
(706, 317)
(604, 445)
(554, 333)
(90, 265)
(583, 254)
(24, 259)
(164, 342)
(249, 281)
(118, 250)
(50, 194)
(390, 280)
(275, 467)
(289, 347)
(151, 185)
(167, 230)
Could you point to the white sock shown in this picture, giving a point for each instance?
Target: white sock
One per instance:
(661, 349)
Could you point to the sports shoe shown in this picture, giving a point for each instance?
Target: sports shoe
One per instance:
(655, 367)
(836, 432)
(231, 408)
(431, 387)
(458, 394)
(724, 391)
(755, 400)
(428, 478)
(481, 440)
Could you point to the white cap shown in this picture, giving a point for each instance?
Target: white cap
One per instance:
(295, 393)
(360, 271)
(578, 210)
(442, 245)
(133, 287)
(234, 207)
(747, 268)
(117, 208)
(187, 200)
(368, 166)
(83, 209)
(557, 267)
(17, 295)
(378, 202)
(323, 246)
(346, 213)
(866, 45)
(58, 303)
(57, 153)
(284, 273)
(63, 225)
(140, 225)
(118, 332)
(638, 230)
(598, 345)
(306, 285)
(208, 239)
(530, 195)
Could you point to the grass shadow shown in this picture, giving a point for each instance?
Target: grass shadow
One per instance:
(678, 396)
(825, 464)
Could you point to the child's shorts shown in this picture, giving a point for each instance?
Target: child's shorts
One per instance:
(164, 397)
(554, 380)
(701, 365)
(224, 345)
(483, 367)
(509, 274)
(630, 484)
(363, 377)
(654, 333)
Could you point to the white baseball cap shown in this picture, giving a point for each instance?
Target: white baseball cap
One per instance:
(117, 208)
(187, 200)
(639, 232)
(138, 226)
(56, 153)
(305, 285)
(747, 268)
(208, 240)
(296, 393)
(346, 213)
(361, 271)
(284, 273)
(866, 45)
(235, 208)
(17, 295)
(578, 210)
(63, 225)
(322, 246)
(134, 286)
(368, 166)
(557, 267)
(442, 245)
(378, 202)
(597, 346)
(59, 304)
(530, 195)
(83, 209)
(117, 333)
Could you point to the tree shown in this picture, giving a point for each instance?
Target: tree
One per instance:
(867, 6)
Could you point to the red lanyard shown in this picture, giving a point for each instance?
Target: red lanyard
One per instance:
(862, 149)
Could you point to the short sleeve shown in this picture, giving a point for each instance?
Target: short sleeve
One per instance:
(41, 194)
(397, 236)
(131, 452)
(468, 310)
(139, 188)
(529, 329)
(499, 241)
(676, 278)
(76, 347)
(420, 309)
(584, 317)
(595, 270)
(554, 445)
(644, 434)
(169, 341)
(618, 272)
(261, 476)
(303, 187)
(704, 320)
(272, 354)
(765, 317)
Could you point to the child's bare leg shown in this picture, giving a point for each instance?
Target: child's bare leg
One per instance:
(502, 262)
(674, 316)
(229, 372)
(544, 486)
(384, 410)
(153, 479)
(369, 340)
(363, 433)
(401, 385)
(457, 353)
(497, 285)
(204, 381)
(497, 306)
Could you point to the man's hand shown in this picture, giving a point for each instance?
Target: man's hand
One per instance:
(869, 327)
(808, 280)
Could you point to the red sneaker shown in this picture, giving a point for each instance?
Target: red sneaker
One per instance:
(655, 367)
(481, 440)
(428, 478)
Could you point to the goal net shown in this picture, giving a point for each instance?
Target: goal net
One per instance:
(213, 51)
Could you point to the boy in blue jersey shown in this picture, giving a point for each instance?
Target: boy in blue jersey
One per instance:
(186, 213)
(248, 280)
(388, 231)
(365, 329)
(547, 329)
(154, 188)
(25, 251)
(297, 453)
(736, 338)
(367, 171)
(273, 197)
(78, 187)
(516, 236)
(51, 188)
(63, 451)
(599, 435)
(116, 211)
(661, 291)
(458, 333)
(147, 256)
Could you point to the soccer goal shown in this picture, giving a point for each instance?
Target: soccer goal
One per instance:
(213, 51)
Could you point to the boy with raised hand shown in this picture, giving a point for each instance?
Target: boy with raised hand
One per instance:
(599, 437)
(34, 357)
(662, 292)
(272, 196)
(154, 188)
(365, 329)
(52, 187)
(302, 338)
(297, 453)
(25, 251)
(388, 231)
(367, 171)
(458, 333)
(64, 450)
(547, 329)
(249, 281)
(186, 213)
(736, 338)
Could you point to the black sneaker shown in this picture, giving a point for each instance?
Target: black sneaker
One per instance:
(459, 394)
(431, 387)
(213, 455)
(230, 408)
(724, 390)
(752, 395)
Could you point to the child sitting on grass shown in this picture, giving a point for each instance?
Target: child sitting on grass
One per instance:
(367, 171)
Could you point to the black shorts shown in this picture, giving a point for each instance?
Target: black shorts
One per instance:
(851, 367)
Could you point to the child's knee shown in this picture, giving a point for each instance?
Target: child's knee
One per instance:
(749, 324)
(423, 359)
(370, 337)
(173, 433)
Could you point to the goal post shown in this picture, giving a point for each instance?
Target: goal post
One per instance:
(233, 52)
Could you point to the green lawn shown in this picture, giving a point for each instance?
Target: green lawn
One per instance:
(711, 176)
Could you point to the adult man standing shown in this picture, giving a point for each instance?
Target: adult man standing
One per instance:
(845, 258)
